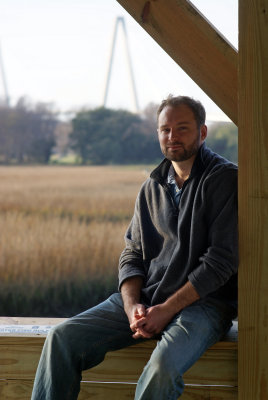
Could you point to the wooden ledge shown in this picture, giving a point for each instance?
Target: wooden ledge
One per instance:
(22, 339)
(32, 327)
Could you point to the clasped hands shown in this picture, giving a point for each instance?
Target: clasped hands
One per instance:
(148, 322)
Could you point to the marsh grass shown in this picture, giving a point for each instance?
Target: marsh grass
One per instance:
(62, 232)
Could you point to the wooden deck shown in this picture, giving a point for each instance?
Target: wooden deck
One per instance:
(214, 376)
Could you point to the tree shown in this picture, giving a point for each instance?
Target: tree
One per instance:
(42, 124)
(26, 133)
(105, 136)
(223, 139)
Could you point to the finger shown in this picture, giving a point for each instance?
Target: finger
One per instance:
(140, 311)
(140, 322)
(145, 334)
(139, 335)
(143, 324)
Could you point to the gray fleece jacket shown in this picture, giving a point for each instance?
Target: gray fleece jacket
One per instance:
(167, 245)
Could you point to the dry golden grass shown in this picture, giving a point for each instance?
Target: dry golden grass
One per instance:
(93, 192)
(56, 249)
(62, 227)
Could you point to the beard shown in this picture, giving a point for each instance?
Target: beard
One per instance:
(183, 153)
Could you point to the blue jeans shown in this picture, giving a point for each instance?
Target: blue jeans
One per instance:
(81, 343)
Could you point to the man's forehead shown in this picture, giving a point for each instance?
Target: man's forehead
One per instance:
(180, 113)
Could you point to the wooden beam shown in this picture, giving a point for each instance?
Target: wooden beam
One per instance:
(253, 199)
(213, 376)
(193, 43)
(21, 390)
(20, 353)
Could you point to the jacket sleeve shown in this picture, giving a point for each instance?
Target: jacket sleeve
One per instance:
(220, 260)
(131, 259)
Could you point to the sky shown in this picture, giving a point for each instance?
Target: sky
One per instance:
(58, 51)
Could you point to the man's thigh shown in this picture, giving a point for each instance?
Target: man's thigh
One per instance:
(188, 336)
(91, 334)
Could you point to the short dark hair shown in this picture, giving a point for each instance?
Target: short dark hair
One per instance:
(195, 105)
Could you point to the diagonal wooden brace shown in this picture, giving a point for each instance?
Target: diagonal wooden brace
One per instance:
(194, 44)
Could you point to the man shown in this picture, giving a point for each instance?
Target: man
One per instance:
(177, 273)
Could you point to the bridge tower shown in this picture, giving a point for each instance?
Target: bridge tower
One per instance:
(120, 20)
(4, 80)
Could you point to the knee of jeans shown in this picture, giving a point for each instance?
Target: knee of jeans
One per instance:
(59, 334)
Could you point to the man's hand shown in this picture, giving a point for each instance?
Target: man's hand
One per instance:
(154, 321)
(158, 317)
(135, 313)
(146, 323)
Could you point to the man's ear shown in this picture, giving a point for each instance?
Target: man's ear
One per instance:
(204, 132)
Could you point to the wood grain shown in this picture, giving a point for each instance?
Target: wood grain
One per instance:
(194, 44)
(20, 353)
(253, 199)
(21, 390)
(126, 366)
(19, 356)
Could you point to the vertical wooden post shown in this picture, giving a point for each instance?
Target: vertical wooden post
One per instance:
(253, 199)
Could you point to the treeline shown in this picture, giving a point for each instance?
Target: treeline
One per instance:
(223, 139)
(27, 133)
(35, 134)
(105, 136)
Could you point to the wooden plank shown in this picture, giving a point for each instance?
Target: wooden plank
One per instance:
(15, 390)
(214, 368)
(30, 321)
(194, 44)
(21, 390)
(125, 391)
(19, 357)
(229, 341)
(209, 393)
(253, 199)
(217, 367)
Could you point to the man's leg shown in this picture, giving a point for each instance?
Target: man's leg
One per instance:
(182, 343)
(80, 343)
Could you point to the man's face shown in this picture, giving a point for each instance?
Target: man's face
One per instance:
(178, 134)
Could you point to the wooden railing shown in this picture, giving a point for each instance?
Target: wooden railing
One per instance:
(214, 376)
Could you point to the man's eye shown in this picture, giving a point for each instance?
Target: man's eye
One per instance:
(182, 129)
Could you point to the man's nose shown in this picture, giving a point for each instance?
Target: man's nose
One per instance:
(172, 134)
